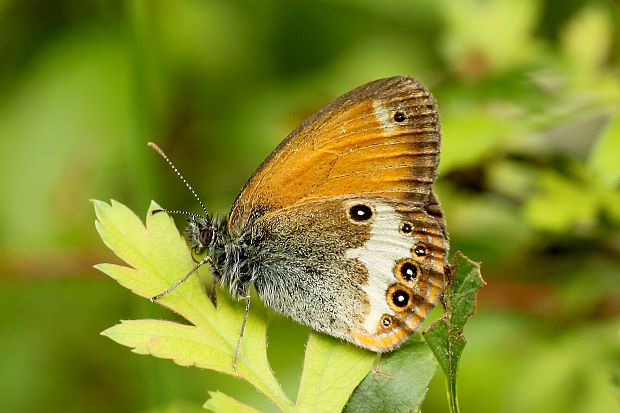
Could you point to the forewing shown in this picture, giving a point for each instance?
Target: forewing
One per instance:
(381, 139)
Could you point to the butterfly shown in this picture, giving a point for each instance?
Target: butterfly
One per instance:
(339, 228)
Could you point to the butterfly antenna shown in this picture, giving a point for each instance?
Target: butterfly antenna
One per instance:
(174, 168)
(173, 211)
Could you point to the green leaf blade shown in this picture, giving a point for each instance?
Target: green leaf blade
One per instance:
(437, 340)
(399, 383)
(184, 344)
(467, 282)
(158, 257)
(222, 403)
(445, 337)
(332, 370)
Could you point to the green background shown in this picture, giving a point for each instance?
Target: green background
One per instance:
(529, 94)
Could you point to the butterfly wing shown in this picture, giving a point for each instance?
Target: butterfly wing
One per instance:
(349, 236)
(371, 282)
(380, 139)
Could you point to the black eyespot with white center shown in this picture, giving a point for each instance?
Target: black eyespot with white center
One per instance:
(409, 271)
(420, 250)
(360, 213)
(400, 298)
(406, 228)
(386, 321)
(399, 116)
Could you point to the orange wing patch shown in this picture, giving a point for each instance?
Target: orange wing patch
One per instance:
(381, 139)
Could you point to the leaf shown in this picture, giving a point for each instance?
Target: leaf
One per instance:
(157, 257)
(399, 383)
(221, 403)
(445, 336)
(332, 370)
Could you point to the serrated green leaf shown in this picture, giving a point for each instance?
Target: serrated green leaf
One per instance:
(445, 336)
(332, 370)
(163, 339)
(222, 403)
(158, 256)
(399, 382)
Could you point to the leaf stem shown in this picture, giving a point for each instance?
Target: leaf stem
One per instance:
(452, 397)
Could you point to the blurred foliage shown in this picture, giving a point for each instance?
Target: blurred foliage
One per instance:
(529, 93)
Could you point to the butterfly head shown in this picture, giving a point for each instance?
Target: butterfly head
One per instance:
(200, 234)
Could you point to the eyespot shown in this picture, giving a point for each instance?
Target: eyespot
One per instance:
(406, 228)
(386, 321)
(409, 271)
(360, 213)
(420, 249)
(399, 116)
(399, 297)
(406, 271)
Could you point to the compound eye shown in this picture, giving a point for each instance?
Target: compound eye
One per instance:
(206, 235)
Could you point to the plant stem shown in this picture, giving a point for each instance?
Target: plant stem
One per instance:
(452, 398)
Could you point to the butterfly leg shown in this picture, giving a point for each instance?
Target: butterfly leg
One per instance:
(213, 292)
(245, 319)
(377, 369)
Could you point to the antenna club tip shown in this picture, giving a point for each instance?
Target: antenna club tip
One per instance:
(174, 168)
(155, 147)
